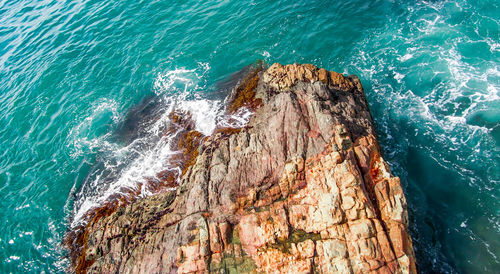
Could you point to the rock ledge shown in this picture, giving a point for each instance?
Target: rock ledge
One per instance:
(302, 188)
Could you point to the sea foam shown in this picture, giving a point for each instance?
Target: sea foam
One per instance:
(130, 167)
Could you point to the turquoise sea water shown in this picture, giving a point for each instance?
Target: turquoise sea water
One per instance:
(77, 76)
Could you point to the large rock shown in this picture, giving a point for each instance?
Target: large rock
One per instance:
(302, 188)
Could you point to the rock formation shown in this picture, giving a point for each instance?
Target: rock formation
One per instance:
(302, 188)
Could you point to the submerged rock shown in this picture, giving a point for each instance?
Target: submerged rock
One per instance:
(301, 188)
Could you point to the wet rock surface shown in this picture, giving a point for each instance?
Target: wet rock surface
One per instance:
(302, 188)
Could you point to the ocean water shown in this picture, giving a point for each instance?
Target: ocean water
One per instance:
(85, 87)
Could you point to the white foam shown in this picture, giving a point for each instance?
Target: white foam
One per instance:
(150, 153)
(175, 78)
(405, 57)
(146, 164)
(81, 132)
(441, 105)
(203, 112)
(493, 92)
(180, 79)
(398, 76)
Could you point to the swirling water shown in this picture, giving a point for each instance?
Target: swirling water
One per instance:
(76, 76)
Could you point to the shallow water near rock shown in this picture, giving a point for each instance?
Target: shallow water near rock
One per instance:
(74, 107)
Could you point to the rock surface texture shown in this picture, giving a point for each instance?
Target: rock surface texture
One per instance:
(302, 188)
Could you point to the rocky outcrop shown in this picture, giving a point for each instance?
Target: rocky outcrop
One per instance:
(302, 188)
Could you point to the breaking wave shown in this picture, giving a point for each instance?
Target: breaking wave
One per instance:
(139, 149)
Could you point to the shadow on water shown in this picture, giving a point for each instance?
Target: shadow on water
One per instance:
(433, 213)
(138, 119)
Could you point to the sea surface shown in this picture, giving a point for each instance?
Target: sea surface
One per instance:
(85, 87)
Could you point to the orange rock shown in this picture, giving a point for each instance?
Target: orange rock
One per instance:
(302, 188)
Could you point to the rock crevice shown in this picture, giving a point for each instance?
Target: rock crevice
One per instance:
(302, 188)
